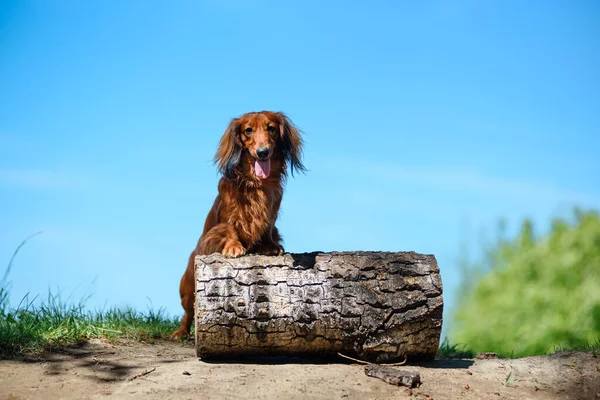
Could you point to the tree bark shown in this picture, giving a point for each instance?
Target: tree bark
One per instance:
(377, 306)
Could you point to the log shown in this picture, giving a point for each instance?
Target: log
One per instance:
(377, 306)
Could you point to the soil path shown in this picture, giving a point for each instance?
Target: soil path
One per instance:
(100, 369)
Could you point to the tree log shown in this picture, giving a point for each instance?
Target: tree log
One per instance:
(377, 306)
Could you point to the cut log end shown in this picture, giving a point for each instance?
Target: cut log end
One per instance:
(377, 306)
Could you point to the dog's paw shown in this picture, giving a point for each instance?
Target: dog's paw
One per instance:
(271, 249)
(179, 334)
(275, 250)
(233, 249)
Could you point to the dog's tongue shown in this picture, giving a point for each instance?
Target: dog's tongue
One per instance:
(262, 168)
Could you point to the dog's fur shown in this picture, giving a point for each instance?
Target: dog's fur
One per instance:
(242, 218)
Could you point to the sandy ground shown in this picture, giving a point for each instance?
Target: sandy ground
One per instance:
(101, 369)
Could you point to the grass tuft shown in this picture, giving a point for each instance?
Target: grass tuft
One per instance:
(30, 328)
(449, 351)
(34, 329)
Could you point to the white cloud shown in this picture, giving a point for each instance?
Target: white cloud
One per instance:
(39, 179)
(468, 182)
(478, 183)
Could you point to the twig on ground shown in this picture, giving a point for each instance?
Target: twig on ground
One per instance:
(146, 372)
(370, 363)
(394, 376)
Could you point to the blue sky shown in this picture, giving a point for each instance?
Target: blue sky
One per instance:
(424, 121)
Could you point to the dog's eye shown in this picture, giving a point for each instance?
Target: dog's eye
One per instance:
(271, 128)
(248, 131)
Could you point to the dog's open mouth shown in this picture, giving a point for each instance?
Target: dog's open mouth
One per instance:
(262, 168)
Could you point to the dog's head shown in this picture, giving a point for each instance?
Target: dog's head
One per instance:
(262, 135)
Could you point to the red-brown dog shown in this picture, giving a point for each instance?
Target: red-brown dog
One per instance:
(253, 156)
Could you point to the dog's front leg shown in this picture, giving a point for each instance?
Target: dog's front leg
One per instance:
(222, 238)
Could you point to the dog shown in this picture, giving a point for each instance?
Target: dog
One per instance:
(253, 156)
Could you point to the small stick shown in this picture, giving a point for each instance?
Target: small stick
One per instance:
(142, 374)
(370, 363)
(394, 376)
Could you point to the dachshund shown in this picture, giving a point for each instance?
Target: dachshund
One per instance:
(253, 156)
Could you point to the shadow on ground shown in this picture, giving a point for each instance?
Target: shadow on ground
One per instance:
(96, 362)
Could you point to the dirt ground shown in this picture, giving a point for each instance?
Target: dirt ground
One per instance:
(101, 369)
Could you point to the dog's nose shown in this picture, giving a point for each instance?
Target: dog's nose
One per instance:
(263, 152)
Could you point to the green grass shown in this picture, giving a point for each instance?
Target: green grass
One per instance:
(593, 346)
(447, 350)
(33, 327)
(31, 330)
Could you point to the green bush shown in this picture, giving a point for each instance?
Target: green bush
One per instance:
(538, 294)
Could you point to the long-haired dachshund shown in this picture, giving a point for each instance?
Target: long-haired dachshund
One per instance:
(253, 156)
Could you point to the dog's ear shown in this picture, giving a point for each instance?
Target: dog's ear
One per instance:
(229, 152)
(291, 142)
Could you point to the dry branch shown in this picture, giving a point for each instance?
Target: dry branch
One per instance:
(394, 376)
